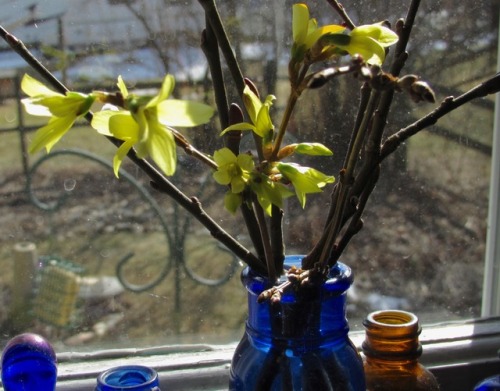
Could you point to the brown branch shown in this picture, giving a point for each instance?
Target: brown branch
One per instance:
(159, 181)
(403, 29)
(490, 86)
(339, 8)
(190, 150)
(213, 16)
(278, 246)
(232, 140)
(210, 48)
(356, 223)
(320, 78)
(265, 240)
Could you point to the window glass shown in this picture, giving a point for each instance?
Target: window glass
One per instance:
(92, 261)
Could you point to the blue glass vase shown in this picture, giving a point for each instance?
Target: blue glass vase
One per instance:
(29, 364)
(489, 384)
(300, 343)
(128, 377)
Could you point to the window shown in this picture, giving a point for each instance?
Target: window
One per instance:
(148, 274)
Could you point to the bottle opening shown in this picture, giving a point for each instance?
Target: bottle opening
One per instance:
(393, 317)
(128, 376)
(132, 378)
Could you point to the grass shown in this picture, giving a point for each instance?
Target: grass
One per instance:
(447, 164)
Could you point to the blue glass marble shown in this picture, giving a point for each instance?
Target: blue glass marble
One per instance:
(301, 343)
(29, 364)
(489, 384)
(128, 377)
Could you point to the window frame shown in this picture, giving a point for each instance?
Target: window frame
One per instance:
(491, 282)
(458, 353)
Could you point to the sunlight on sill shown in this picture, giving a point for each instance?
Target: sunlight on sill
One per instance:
(457, 352)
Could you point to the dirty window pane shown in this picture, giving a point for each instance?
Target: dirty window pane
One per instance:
(89, 260)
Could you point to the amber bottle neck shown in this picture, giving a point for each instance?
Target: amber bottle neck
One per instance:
(392, 335)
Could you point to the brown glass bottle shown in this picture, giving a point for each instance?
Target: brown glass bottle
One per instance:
(391, 349)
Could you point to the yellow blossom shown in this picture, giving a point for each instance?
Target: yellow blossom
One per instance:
(145, 121)
(63, 110)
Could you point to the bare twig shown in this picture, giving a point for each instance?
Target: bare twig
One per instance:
(295, 277)
(346, 180)
(351, 185)
(343, 14)
(159, 181)
(19, 47)
(266, 241)
(488, 87)
(232, 140)
(215, 32)
(190, 150)
(210, 48)
(213, 16)
(277, 243)
(356, 223)
(320, 78)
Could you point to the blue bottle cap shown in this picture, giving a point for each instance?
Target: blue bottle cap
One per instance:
(29, 363)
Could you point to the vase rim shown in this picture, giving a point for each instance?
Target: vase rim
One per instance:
(393, 318)
(339, 279)
(394, 323)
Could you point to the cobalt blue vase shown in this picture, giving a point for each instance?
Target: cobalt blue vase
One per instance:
(300, 343)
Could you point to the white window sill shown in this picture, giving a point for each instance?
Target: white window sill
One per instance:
(460, 354)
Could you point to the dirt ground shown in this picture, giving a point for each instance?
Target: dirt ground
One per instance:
(422, 250)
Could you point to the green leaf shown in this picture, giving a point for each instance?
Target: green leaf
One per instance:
(240, 126)
(369, 42)
(313, 149)
(383, 35)
(268, 192)
(264, 124)
(315, 33)
(368, 48)
(252, 103)
(305, 180)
